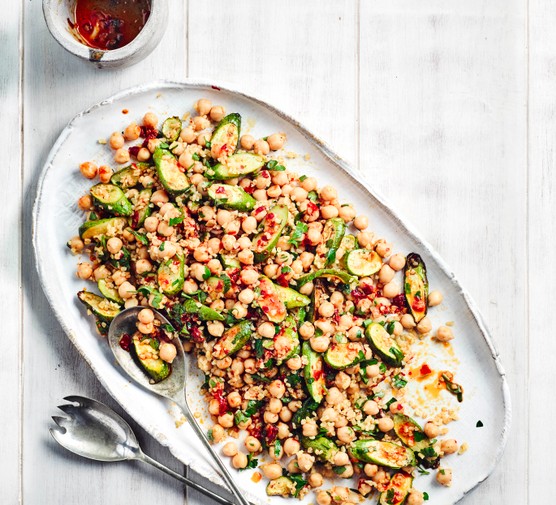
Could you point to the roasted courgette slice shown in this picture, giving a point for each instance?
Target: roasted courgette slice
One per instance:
(286, 341)
(384, 344)
(363, 262)
(109, 227)
(169, 173)
(282, 486)
(225, 138)
(109, 292)
(270, 231)
(343, 355)
(171, 275)
(270, 302)
(314, 373)
(112, 199)
(171, 128)
(416, 286)
(333, 233)
(237, 165)
(128, 177)
(382, 453)
(410, 433)
(397, 490)
(232, 340)
(205, 313)
(101, 307)
(323, 448)
(231, 197)
(143, 208)
(155, 368)
(328, 273)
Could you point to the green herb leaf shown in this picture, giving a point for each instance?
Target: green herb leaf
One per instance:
(339, 470)
(313, 196)
(175, 220)
(195, 156)
(426, 496)
(398, 381)
(479, 424)
(251, 463)
(140, 237)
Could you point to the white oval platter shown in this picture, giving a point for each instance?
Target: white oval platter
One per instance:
(56, 219)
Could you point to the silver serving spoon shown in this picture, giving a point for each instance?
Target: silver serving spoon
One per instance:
(95, 431)
(173, 387)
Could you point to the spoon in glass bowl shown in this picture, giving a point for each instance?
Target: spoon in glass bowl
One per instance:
(172, 387)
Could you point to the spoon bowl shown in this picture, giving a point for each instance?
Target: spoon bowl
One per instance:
(125, 323)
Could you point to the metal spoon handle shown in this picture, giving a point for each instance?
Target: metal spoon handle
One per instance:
(201, 434)
(147, 459)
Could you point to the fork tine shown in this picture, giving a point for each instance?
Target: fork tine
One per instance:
(68, 409)
(80, 400)
(62, 422)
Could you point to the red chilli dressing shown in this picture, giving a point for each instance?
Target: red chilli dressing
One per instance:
(109, 24)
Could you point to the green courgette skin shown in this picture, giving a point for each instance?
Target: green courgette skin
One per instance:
(205, 313)
(171, 275)
(102, 227)
(314, 373)
(329, 273)
(270, 232)
(323, 448)
(344, 355)
(384, 344)
(288, 331)
(172, 178)
(397, 491)
(225, 138)
(156, 369)
(140, 215)
(291, 298)
(270, 302)
(232, 340)
(171, 128)
(112, 199)
(108, 292)
(128, 177)
(282, 486)
(363, 262)
(237, 165)
(410, 433)
(416, 286)
(231, 197)
(382, 453)
(333, 233)
(104, 309)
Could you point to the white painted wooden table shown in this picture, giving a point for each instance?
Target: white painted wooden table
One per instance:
(447, 106)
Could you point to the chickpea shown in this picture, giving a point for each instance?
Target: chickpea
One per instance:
(309, 184)
(85, 202)
(328, 193)
(167, 352)
(121, 156)
(361, 222)
(150, 120)
(247, 142)
(449, 446)
(226, 420)
(316, 480)
(188, 135)
(397, 262)
(132, 131)
(217, 433)
(320, 344)
(214, 407)
(239, 460)
(280, 178)
(326, 309)
(385, 424)
(261, 147)
(249, 276)
(345, 434)
(444, 334)
(145, 329)
(203, 106)
(84, 270)
(407, 321)
(347, 213)
(298, 194)
(325, 326)
(276, 141)
(246, 257)
(270, 417)
(329, 211)
(203, 138)
(365, 238)
(276, 388)
(342, 380)
(76, 245)
(334, 396)
(186, 160)
(114, 245)
(391, 290)
(116, 140)
(273, 191)
(104, 174)
(310, 429)
(252, 444)
(435, 298)
(291, 446)
(274, 405)
(272, 471)
(415, 497)
(314, 236)
(424, 325)
(370, 470)
(216, 113)
(324, 498)
(386, 274)
(341, 459)
(383, 249)
(88, 170)
(146, 316)
(166, 230)
(431, 430)
(370, 407)
(444, 477)
(230, 449)
(294, 363)
(305, 461)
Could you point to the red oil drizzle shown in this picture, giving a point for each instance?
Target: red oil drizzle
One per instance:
(109, 24)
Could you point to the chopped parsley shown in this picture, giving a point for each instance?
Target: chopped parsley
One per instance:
(300, 229)
(398, 381)
(479, 424)
(175, 220)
